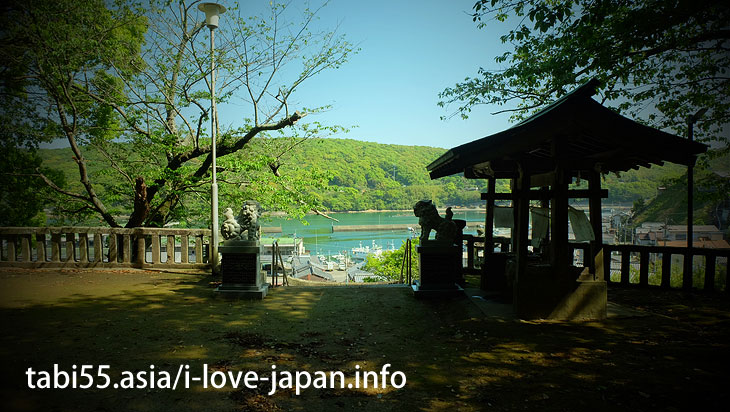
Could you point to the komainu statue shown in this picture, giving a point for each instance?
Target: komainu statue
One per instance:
(230, 228)
(245, 226)
(429, 219)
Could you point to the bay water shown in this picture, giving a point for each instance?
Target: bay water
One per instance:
(319, 239)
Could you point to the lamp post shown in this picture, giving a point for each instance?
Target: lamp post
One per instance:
(690, 175)
(690, 195)
(212, 13)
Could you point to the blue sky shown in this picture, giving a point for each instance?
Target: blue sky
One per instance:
(410, 51)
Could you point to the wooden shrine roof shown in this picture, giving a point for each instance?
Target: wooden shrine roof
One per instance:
(581, 132)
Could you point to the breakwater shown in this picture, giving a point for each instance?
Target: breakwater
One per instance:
(399, 226)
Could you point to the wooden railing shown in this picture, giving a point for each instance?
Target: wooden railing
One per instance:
(662, 266)
(104, 247)
(475, 251)
(643, 266)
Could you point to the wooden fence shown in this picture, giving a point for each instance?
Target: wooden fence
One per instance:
(36, 247)
(642, 266)
(664, 266)
(475, 249)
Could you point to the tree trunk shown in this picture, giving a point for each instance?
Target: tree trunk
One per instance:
(141, 204)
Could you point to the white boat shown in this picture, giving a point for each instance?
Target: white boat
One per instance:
(362, 252)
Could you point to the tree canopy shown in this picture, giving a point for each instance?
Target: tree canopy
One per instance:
(129, 81)
(659, 61)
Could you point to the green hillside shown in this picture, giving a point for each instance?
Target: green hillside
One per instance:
(712, 189)
(381, 176)
(368, 175)
(373, 176)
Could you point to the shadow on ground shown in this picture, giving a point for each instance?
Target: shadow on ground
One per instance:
(454, 356)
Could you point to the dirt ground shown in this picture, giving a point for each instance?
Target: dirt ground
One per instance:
(671, 355)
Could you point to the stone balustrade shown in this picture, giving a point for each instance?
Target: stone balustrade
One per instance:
(36, 247)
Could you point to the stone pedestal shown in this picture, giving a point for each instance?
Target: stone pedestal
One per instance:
(241, 270)
(441, 270)
(542, 294)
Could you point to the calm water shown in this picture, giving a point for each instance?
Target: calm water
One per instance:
(319, 239)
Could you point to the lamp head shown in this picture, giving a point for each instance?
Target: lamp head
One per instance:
(695, 117)
(212, 13)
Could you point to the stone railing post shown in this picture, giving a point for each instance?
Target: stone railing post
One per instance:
(72, 247)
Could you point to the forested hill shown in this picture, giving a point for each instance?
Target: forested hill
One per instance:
(383, 176)
(366, 175)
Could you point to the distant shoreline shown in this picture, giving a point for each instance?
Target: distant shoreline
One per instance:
(441, 209)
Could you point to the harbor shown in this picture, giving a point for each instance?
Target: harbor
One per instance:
(344, 266)
(335, 251)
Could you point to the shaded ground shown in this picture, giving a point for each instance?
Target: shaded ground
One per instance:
(454, 356)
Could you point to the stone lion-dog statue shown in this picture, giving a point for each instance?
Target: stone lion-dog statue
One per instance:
(246, 226)
(429, 219)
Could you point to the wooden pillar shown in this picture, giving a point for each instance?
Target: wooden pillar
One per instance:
(560, 259)
(596, 218)
(559, 223)
(522, 220)
(644, 268)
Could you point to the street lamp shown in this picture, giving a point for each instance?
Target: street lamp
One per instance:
(690, 176)
(212, 13)
(690, 194)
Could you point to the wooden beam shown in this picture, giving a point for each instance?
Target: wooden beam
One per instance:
(542, 179)
(543, 194)
(471, 173)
